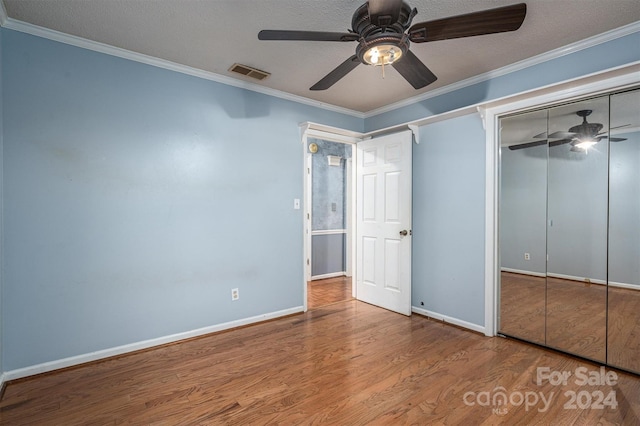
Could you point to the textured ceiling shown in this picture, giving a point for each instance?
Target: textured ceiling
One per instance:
(211, 35)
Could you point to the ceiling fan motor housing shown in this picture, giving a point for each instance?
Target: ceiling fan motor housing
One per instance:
(585, 128)
(384, 34)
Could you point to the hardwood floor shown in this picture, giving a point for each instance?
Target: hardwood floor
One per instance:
(328, 291)
(522, 306)
(347, 363)
(594, 321)
(623, 332)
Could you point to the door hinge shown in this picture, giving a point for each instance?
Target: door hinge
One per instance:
(308, 262)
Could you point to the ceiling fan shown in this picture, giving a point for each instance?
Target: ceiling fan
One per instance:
(582, 136)
(383, 31)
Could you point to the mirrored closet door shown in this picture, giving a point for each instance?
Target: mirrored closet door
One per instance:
(570, 228)
(623, 325)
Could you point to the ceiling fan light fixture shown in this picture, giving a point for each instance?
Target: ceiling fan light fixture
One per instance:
(383, 54)
(584, 144)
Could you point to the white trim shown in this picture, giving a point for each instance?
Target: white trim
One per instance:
(517, 66)
(416, 124)
(602, 82)
(2, 376)
(27, 28)
(320, 131)
(3, 14)
(624, 285)
(583, 280)
(72, 40)
(491, 254)
(329, 232)
(330, 133)
(329, 275)
(522, 272)
(145, 344)
(415, 129)
(448, 319)
(349, 221)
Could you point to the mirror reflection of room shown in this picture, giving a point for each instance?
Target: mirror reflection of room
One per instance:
(570, 228)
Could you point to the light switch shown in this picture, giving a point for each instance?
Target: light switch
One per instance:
(296, 203)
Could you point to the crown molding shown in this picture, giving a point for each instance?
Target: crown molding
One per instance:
(95, 46)
(517, 66)
(58, 36)
(3, 14)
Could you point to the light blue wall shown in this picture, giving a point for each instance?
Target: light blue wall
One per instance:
(448, 219)
(578, 190)
(624, 210)
(328, 189)
(136, 198)
(327, 254)
(328, 186)
(623, 50)
(523, 209)
(577, 212)
(448, 180)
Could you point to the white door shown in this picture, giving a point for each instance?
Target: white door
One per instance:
(383, 228)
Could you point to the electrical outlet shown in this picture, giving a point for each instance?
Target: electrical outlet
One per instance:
(235, 294)
(527, 256)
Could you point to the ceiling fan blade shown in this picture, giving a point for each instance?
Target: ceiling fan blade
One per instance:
(616, 139)
(527, 145)
(384, 12)
(562, 135)
(414, 71)
(613, 128)
(306, 35)
(541, 135)
(559, 142)
(502, 19)
(341, 70)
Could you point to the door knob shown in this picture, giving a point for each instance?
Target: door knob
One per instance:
(404, 232)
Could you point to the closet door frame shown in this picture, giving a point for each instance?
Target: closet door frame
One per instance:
(609, 81)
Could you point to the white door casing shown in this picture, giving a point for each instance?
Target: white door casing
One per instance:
(383, 259)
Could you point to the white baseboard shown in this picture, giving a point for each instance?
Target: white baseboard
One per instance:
(448, 319)
(522, 272)
(329, 275)
(624, 285)
(579, 279)
(145, 344)
(2, 380)
(572, 278)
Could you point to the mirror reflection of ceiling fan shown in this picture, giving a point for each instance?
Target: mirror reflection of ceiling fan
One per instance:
(383, 31)
(581, 137)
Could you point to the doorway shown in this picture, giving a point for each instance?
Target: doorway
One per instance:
(376, 245)
(328, 222)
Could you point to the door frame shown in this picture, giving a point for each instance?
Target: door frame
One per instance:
(331, 134)
(565, 92)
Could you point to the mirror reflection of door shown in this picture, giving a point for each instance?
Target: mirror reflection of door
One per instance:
(623, 332)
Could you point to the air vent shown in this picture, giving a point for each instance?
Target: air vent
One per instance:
(249, 72)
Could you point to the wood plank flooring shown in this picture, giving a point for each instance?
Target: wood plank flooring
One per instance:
(594, 321)
(348, 363)
(328, 291)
